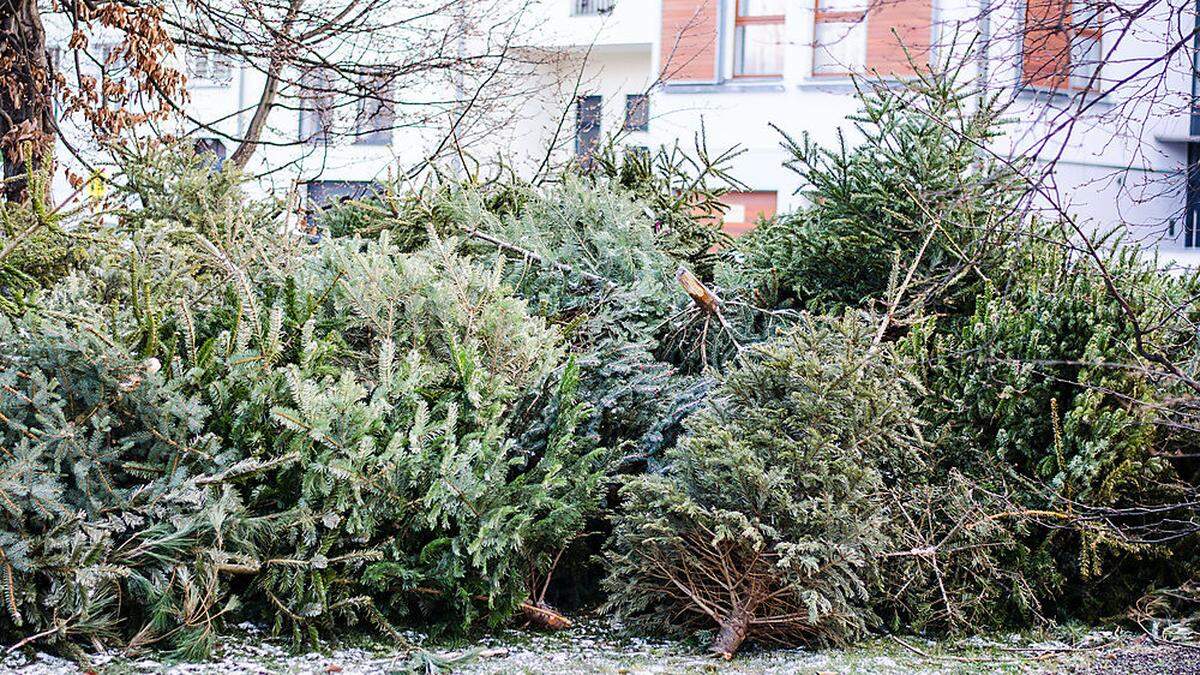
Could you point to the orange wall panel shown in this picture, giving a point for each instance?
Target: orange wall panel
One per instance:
(689, 40)
(1047, 44)
(912, 21)
(746, 208)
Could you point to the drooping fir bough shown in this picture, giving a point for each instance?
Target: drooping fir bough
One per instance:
(766, 523)
(107, 534)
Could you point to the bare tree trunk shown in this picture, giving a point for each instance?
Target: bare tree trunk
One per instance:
(249, 141)
(733, 633)
(283, 47)
(26, 102)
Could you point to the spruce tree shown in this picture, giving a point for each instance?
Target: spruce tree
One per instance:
(765, 524)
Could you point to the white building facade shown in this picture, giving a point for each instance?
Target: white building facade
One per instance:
(1104, 103)
(1100, 103)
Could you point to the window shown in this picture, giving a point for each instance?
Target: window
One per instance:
(212, 151)
(1191, 212)
(1086, 55)
(587, 127)
(329, 192)
(839, 37)
(758, 38)
(209, 68)
(326, 194)
(593, 7)
(637, 153)
(316, 108)
(1062, 46)
(109, 60)
(637, 112)
(376, 113)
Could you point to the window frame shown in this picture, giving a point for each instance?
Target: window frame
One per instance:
(740, 22)
(1073, 33)
(217, 71)
(375, 117)
(592, 7)
(835, 16)
(1092, 32)
(584, 107)
(317, 103)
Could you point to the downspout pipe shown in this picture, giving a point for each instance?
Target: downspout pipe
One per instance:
(1191, 214)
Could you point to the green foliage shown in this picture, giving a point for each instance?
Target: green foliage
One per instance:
(593, 229)
(769, 514)
(382, 383)
(205, 418)
(681, 192)
(172, 184)
(619, 321)
(106, 515)
(36, 252)
(330, 434)
(1044, 386)
(914, 186)
(1055, 389)
(952, 564)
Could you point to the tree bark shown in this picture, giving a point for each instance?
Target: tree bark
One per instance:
(733, 633)
(26, 100)
(544, 617)
(249, 141)
(538, 615)
(279, 59)
(699, 293)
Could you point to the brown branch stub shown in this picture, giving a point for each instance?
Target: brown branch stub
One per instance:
(733, 632)
(700, 294)
(543, 617)
(539, 615)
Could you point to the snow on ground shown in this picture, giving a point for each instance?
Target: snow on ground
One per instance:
(597, 648)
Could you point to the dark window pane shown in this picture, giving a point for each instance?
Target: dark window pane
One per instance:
(316, 108)
(592, 7)
(376, 113)
(637, 112)
(325, 192)
(212, 150)
(1191, 215)
(587, 126)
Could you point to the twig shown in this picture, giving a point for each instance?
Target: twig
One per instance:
(958, 659)
(530, 255)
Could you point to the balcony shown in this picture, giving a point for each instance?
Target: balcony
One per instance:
(601, 25)
(594, 7)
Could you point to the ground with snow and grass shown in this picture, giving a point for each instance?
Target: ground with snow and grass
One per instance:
(599, 648)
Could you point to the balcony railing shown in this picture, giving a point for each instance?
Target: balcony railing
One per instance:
(593, 7)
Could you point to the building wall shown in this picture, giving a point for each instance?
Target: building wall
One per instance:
(1110, 165)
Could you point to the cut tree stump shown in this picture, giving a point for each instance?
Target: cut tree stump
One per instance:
(732, 634)
(700, 294)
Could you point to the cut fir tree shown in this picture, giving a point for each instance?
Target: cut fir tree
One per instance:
(766, 525)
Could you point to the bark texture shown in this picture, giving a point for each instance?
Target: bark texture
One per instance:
(26, 100)
(733, 633)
